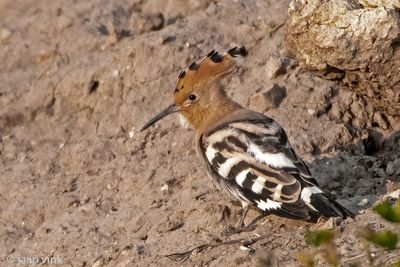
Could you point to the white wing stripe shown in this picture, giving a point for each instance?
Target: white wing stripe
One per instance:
(220, 135)
(210, 153)
(258, 185)
(269, 205)
(278, 192)
(226, 167)
(241, 177)
(278, 160)
(306, 194)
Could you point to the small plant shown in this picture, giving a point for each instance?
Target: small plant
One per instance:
(323, 241)
(385, 240)
(389, 212)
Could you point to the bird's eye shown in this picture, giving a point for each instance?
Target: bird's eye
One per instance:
(192, 97)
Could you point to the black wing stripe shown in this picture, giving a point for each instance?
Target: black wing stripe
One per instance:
(250, 179)
(290, 190)
(238, 168)
(222, 146)
(218, 160)
(236, 142)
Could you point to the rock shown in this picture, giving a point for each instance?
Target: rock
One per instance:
(344, 35)
(347, 117)
(380, 3)
(275, 95)
(275, 66)
(393, 167)
(319, 101)
(357, 109)
(166, 39)
(258, 102)
(164, 187)
(44, 55)
(169, 225)
(311, 111)
(111, 40)
(306, 146)
(359, 42)
(336, 111)
(334, 185)
(380, 120)
(390, 168)
(5, 34)
(268, 99)
(155, 22)
(363, 202)
(393, 195)
(147, 23)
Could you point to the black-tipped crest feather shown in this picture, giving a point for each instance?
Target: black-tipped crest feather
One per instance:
(238, 51)
(216, 57)
(194, 66)
(182, 74)
(211, 68)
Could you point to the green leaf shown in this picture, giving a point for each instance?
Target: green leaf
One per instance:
(386, 239)
(317, 238)
(389, 212)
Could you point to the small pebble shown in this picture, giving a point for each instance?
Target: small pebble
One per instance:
(258, 102)
(394, 194)
(363, 202)
(393, 167)
(115, 73)
(244, 248)
(164, 188)
(131, 133)
(311, 111)
(275, 67)
(4, 34)
(333, 185)
(380, 120)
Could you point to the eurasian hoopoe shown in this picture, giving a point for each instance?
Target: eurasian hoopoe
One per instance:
(246, 153)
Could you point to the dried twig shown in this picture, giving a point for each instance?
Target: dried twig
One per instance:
(394, 253)
(183, 256)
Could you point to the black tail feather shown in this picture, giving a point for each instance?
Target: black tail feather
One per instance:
(327, 207)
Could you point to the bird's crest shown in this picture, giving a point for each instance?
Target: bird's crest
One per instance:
(210, 69)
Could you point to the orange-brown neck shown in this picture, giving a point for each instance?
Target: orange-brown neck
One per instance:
(201, 117)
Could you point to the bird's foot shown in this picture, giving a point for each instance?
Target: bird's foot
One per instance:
(329, 223)
(231, 230)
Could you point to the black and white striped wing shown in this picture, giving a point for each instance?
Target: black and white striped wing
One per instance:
(254, 161)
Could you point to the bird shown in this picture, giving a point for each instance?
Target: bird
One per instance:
(247, 154)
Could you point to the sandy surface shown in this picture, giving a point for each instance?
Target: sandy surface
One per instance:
(79, 181)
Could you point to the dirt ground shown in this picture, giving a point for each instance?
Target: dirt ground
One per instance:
(78, 181)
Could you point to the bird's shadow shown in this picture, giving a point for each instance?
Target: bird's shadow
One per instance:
(358, 175)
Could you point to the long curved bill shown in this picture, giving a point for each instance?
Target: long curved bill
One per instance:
(169, 110)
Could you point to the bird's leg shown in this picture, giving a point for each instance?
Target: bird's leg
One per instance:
(245, 209)
(240, 227)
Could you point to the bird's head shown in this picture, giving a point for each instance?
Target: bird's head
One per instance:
(197, 95)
